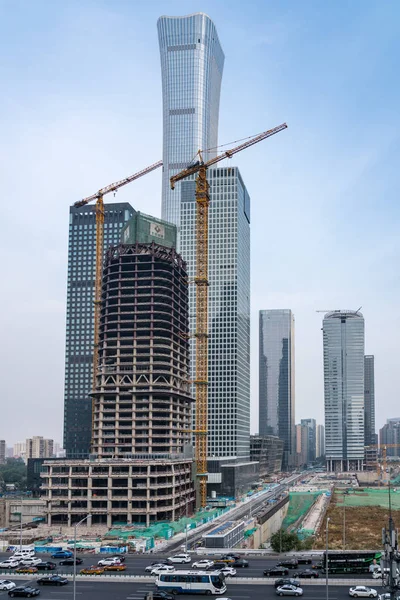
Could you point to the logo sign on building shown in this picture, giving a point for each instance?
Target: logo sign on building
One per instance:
(157, 230)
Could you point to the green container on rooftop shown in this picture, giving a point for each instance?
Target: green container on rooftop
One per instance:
(146, 229)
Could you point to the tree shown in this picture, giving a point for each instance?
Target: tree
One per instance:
(14, 471)
(282, 541)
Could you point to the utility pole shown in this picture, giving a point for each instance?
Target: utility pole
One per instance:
(391, 555)
(344, 526)
(327, 558)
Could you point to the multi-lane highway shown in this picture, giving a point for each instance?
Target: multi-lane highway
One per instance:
(92, 590)
(136, 564)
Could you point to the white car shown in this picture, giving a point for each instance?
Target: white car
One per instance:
(203, 564)
(153, 566)
(180, 558)
(30, 561)
(228, 571)
(362, 591)
(108, 562)
(9, 564)
(6, 584)
(162, 569)
(23, 554)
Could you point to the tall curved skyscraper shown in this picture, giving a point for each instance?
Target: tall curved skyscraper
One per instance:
(192, 63)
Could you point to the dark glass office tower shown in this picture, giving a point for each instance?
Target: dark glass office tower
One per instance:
(276, 377)
(369, 399)
(80, 318)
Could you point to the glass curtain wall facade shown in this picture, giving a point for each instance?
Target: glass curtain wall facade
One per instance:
(80, 318)
(229, 307)
(311, 426)
(369, 399)
(343, 339)
(276, 377)
(192, 63)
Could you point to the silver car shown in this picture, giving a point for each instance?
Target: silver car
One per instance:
(289, 590)
(362, 591)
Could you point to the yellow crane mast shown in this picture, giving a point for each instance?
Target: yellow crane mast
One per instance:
(98, 196)
(201, 281)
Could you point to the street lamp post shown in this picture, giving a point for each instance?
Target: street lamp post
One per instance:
(344, 527)
(74, 575)
(327, 558)
(20, 528)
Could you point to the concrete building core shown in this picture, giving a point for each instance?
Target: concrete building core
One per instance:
(140, 469)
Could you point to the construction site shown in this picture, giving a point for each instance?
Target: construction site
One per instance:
(141, 469)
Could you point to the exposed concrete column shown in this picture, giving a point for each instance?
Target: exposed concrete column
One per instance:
(148, 496)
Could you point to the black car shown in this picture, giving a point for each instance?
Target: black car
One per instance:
(24, 591)
(160, 595)
(52, 580)
(240, 563)
(235, 556)
(307, 574)
(289, 581)
(276, 572)
(304, 560)
(290, 563)
(46, 566)
(70, 561)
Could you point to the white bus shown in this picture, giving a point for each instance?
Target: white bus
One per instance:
(192, 582)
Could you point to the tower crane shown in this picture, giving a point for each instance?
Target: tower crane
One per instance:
(99, 211)
(201, 280)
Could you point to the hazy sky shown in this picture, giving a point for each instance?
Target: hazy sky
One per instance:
(81, 107)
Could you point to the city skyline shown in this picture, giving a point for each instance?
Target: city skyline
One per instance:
(69, 140)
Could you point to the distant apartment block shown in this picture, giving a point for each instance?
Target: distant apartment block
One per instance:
(3, 451)
(19, 450)
(39, 447)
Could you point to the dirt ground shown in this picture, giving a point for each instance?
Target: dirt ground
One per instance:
(363, 527)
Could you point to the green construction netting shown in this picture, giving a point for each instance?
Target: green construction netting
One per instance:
(163, 529)
(299, 504)
(370, 497)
